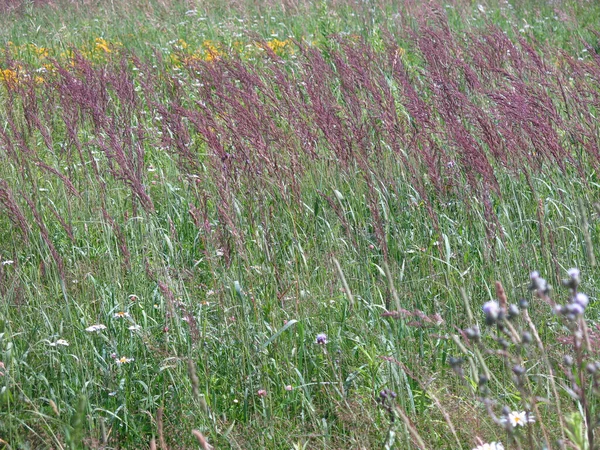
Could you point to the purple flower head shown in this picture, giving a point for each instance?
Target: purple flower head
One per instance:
(575, 309)
(491, 310)
(321, 339)
(538, 284)
(581, 299)
(574, 279)
(534, 275)
(574, 274)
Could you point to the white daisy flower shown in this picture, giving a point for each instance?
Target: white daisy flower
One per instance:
(123, 360)
(490, 446)
(121, 315)
(96, 327)
(134, 327)
(516, 418)
(62, 342)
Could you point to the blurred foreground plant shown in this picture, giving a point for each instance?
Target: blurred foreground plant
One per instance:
(513, 339)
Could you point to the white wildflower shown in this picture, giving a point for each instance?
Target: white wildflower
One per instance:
(516, 418)
(123, 360)
(490, 446)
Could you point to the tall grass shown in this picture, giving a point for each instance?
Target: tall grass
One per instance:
(276, 233)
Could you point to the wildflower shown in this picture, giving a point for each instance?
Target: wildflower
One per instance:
(134, 327)
(538, 284)
(289, 387)
(490, 446)
(523, 303)
(261, 393)
(321, 339)
(102, 44)
(513, 311)
(573, 310)
(123, 360)
(10, 77)
(492, 311)
(581, 299)
(473, 333)
(516, 418)
(2, 368)
(387, 393)
(8, 262)
(121, 315)
(278, 47)
(574, 278)
(62, 342)
(97, 327)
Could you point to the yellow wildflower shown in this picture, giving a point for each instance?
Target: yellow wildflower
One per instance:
(42, 52)
(9, 76)
(211, 52)
(280, 47)
(102, 44)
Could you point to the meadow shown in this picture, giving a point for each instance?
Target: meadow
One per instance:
(299, 225)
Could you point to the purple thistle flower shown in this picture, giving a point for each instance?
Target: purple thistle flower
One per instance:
(574, 309)
(321, 339)
(574, 273)
(581, 299)
(491, 310)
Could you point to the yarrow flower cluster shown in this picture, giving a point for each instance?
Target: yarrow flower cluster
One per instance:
(96, 327)
(62, 342)
(490, 446)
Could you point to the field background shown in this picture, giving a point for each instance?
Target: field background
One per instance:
(236, 178)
